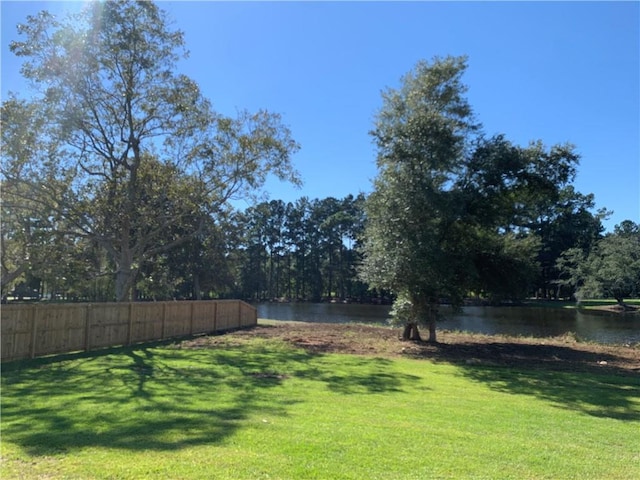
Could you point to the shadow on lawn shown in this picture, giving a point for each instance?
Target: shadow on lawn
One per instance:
(359, 375)
(578, 380)
(147, 398)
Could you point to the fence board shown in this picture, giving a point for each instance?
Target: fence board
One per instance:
(177, 319)
(204, 315)
(28, 330)
(227, 313)
(108, 325)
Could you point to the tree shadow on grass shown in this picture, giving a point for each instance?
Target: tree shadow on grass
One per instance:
(359, 375)
(149, 398)
(133, 400)
(588, 382)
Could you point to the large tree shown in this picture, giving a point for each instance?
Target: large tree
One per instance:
(413, 242)
(123, 117)
(453, 212)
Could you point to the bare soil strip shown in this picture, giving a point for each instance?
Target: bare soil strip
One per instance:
(561, 353)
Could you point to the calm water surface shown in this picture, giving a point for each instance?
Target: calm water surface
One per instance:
(531, 321)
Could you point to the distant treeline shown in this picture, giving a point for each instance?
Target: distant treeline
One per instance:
(307, 250)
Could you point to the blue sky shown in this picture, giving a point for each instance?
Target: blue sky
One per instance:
(554, 71)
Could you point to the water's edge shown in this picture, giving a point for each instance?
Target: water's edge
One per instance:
(514, 321)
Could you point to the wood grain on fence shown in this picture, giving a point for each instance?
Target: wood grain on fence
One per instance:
(34, 330)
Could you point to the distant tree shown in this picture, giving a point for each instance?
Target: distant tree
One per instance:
(568, 223)
(254, 268)
(348, 223)
(276, 246)
(611, 269)
(523, 197)
(298, 237)
(203, 267)
(302, 250)
(114, 102)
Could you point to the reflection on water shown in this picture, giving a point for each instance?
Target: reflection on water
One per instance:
(324, 312)
(538, 322)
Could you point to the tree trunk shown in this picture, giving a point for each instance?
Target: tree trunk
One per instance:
(621, 304)
(432, 331)
(125, 275)
(197, 293)
(433, 317)
(7, 277)
(411, 332)
(123, 285)
(406, 332)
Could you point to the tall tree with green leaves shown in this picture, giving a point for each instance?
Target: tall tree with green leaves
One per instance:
(414, 242)
(298, 222)
(567, 223)
(454, 212)
(108, 77)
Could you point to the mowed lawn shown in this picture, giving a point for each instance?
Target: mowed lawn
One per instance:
(265, 409)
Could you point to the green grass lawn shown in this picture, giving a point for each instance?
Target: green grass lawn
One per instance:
(264, 409)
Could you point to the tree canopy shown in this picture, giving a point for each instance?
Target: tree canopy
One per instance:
(118, 175)
(452, 211)
(422, 132)
(136, 160)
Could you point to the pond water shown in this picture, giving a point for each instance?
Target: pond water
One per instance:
(526, 321)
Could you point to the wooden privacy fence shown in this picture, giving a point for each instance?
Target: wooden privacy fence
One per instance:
(33, 330)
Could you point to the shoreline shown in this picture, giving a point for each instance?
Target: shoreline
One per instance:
(564, 353)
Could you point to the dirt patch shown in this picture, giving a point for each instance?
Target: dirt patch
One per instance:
(562, 353)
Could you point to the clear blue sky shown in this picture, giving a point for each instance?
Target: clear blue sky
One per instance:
(558, 72)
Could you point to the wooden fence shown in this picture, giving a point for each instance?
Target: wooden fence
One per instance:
(33, 330)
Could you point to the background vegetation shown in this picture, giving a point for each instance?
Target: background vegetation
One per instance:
(119, 180)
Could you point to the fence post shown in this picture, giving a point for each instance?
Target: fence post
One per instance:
(164, 320)
(192, 308)
(239, 314)
(215, 316)
(87, 321)
(33, 332)
(130, 332)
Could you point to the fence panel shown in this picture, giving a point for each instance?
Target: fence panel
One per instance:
(59, 328)
(29, 331)
(204, 317)
(177, 319)
(146, 321)
(108, 325)
(248, 315)
(16, 331)
(227, 315)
